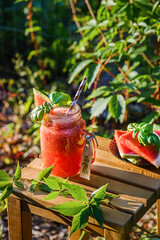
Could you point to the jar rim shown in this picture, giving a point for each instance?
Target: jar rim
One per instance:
(74, 114)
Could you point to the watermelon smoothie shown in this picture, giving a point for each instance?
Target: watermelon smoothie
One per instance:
(62, 141)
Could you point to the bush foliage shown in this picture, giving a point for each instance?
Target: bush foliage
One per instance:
(119, 52)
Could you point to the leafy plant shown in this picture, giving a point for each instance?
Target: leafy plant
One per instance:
(80, 208)
(118, 52)
(145, 134)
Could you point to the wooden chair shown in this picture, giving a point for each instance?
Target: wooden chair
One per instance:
(136, 194)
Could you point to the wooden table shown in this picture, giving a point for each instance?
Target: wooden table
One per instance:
(138, 189)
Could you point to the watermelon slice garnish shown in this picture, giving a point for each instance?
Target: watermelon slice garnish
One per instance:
(40, 97)
(124, 151)
(146, 152)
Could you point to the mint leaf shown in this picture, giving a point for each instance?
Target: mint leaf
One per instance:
(96, 212)
(70, 208)
(52, 195)
(80, 220)
(60, 98)
(7, 191)
(4, 176)
(17, 174)
(44, 187)
(99, 195)
(77, 192)
(37, 113)
(19, 184)
(45, 173)
(52, 184)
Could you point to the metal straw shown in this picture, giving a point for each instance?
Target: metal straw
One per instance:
(78, 93)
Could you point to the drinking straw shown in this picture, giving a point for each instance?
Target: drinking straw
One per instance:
(78, 93)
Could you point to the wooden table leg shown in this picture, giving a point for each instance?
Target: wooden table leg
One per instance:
(19, 222)
(77, 234)
(158, 216)
(111, 235)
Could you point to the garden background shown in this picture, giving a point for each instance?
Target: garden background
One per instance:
(51, 45)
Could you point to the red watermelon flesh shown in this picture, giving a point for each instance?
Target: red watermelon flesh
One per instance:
(145, 152)
(124, 151)
(40, 97)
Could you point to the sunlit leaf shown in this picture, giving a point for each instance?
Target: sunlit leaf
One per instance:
(78, 69)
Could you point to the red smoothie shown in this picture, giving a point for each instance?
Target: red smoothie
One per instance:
(62, 140)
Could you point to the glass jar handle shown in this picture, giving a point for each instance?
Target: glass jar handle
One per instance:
(91, 137)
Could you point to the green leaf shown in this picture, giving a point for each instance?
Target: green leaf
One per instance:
(4, 176)
(96, 212)
(52, 184)
(44, 187)
(99, 106)
(144, 2)
(7, 191)
(155, 6)
(33, 181)
(103, 23)
(80, 220)
(117, 107)
(17, 174)
(70, 208)
(99, 195)
(37, 113)
(4, 184)
(78, 69)
(57, 179)
(60, 98)
(98, 92)
(77, 192)
(34, 187)
(19, 184)
(82, 234)
(151, 117)
(93, 74)
(52, 195)
(45, 173)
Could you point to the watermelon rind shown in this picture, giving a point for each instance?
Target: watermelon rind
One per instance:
(42, 95)
(157, 160)
(130, 156)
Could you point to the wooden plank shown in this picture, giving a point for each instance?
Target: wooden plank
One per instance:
(96, 181)
(127, 177)
(134, 193)
(57, 217)
(112, 218)
(19, 222)
(135, 196)
(14, 219)
(133, 204)
(111, 235)
(123, 175)
(77, 235)
(26, 225)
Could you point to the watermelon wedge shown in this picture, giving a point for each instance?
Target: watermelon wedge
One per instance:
(124, 151)
(146, 152)
(40, 97)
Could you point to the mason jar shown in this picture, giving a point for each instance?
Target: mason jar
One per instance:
(62, 139)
